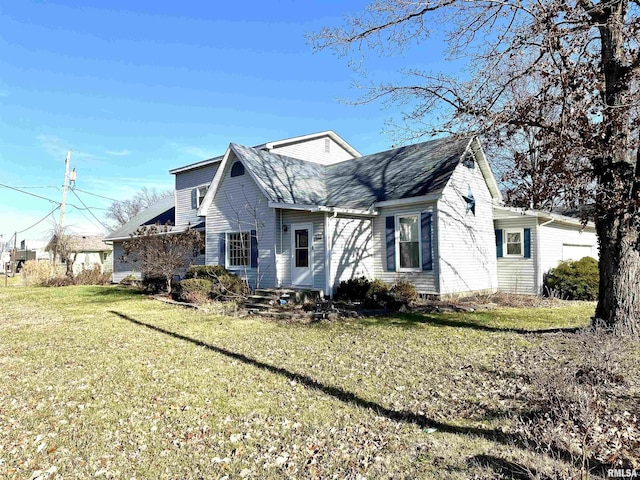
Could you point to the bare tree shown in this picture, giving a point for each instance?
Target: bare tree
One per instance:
(161, 253)
(61, 247)
(120, 212)
(587, 57)
(248, 218)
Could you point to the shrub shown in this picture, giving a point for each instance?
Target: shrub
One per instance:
(228, 286)
(206, 271)
(405, 292)
(354, 289)
(59, 281)
(129, 280)
(194, 290)
(573, 280)
(154, 284)
(378, 295)
(36, 273)
(94, 276)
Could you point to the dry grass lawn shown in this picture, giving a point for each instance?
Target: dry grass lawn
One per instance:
(105, 382)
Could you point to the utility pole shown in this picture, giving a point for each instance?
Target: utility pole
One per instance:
(15, 252)
(65, 187)
(68, 177)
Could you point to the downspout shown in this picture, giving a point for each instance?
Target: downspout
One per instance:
(538, 261)
(436, 250)
(328, 251)
(279, 259)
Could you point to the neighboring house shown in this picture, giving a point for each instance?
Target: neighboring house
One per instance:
(529, 243)
(38, 246)
(87, 251)
(310, 212)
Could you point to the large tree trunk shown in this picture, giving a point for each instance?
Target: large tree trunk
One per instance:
(617, 215)
(619, 296)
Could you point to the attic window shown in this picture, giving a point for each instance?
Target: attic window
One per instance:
(471, 202)
(468, 161)
(237, 169)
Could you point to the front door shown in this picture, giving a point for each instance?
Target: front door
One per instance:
(301, 254)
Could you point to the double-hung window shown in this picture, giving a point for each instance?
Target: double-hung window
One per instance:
(513, 242)
(200, 193)
(238, 248)
(408, 227)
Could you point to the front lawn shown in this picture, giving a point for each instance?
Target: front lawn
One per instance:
(105, 382)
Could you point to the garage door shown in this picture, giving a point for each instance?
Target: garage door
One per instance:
(576, 252)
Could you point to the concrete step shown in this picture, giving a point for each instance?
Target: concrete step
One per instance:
(260, 299)
(257, 306)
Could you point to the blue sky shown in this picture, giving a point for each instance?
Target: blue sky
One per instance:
(137, 90)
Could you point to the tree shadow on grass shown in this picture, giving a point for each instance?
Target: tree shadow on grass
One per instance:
(409, 320)
(336, 392)
(344, 395)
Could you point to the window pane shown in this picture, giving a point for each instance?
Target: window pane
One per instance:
(514, 249)
(513, 237)
(302, 257)
(408, 229)
(410, 255)
(302, 238)
(238, 245)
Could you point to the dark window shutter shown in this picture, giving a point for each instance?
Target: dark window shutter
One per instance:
(425, 224)
(254, 249)
(527, 243)
(499, 243)
(222, 249)
(391, 243)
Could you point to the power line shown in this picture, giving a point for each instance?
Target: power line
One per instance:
(29, 193)
(48, 199)
(88, 209)
(82, 212)
(39, 221)
(96, 195)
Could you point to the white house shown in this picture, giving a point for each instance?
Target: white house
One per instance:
(310, 212)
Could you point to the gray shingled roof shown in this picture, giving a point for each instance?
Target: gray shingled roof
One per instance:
(285, 179)
(162, 211)
(404, 172)
(83, 243)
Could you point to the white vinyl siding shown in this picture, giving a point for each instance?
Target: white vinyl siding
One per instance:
(563, 242)
(425, 281)
(351, 241)
(467, 257)
(186, 193)
(239, 205)
(122, 269)
(315, 150)
(283, 242)
(517, 274)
